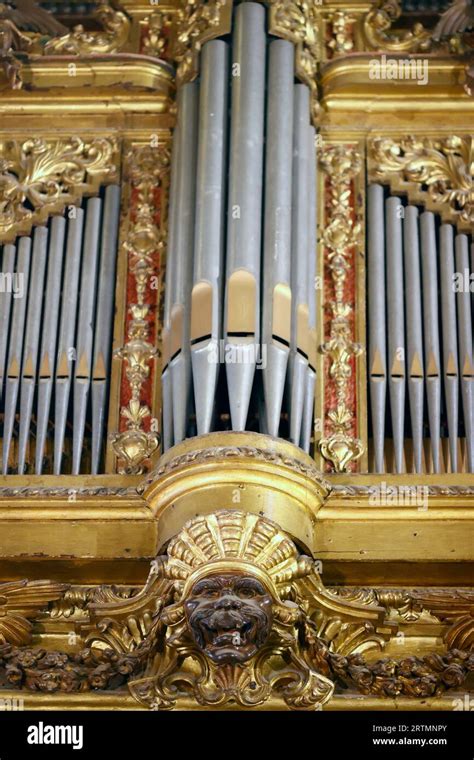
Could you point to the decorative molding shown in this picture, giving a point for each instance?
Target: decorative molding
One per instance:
(197, 23)
(439, 172)
(362, 490)
(41, 176)
(341, 163)
(9, 492)
(112, 39)
(208, 455)
(147, 172)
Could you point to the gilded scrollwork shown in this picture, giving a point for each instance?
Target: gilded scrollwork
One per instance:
(113, 38)
(147, 170)
(41, 176)
(379, 35)
(341, 233)
(438, 171)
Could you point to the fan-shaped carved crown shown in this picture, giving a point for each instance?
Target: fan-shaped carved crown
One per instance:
(234, 538)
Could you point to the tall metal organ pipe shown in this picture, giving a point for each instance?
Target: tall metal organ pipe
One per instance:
(252, 246)
(377, 321)
(182, 269)
(276, 307)
(298, 363)
(414, 322)
(244, 223)
(206, 298)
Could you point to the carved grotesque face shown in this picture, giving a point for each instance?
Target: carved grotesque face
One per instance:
(229, 616)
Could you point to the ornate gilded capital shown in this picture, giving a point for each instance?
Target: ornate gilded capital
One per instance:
(41, 176)
(198, 22)
(438, 172)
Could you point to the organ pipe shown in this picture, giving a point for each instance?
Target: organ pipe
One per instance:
(414, 330)
(308, 410)
(396, 327)
(450, 349)
(465, 349)
(377, 322)
(206, 308)
(15, 350)
(182, 272)
(431, 331)
(67, 330)
(276, 307)
(47, 358)
(103, 323)
(242, 297)
(299, 265)
(85, 333)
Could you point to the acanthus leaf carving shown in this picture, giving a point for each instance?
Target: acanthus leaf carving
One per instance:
(41, 176)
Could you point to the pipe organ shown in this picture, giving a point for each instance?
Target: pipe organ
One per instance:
(420, 337)
(56, 314)
(240, 314)
(236, 356)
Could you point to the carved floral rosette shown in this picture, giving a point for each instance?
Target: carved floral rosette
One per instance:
(340, 445)
(143, 240)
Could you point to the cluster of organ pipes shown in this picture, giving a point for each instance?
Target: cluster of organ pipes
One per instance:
(240, 281)
(56, 338)
(420, 319)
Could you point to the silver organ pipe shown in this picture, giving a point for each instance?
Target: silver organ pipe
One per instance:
(465, 348)
(182, 271)
(166, 390)
(429, 310)
(429, 267)
(67, 331)
(377, 371)
(52, 298)
(15, 350)
(276, 308)
(450, 348)
(396, 327)
(298, 363)
(251, 254)
(6, 297)
(103, 323)
(85, 332)
(242, 296)
(308, 411)
(206, 297)
(57, 334)
(414, 331)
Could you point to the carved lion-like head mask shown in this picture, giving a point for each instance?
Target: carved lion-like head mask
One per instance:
(231, 570)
